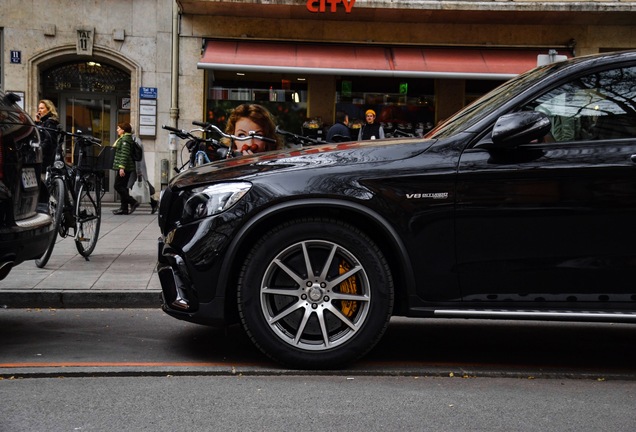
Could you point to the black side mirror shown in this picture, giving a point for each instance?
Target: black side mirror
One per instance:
(514, 129)
(520, 128)
(12, 98)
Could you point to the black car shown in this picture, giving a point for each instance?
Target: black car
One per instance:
(24, 233)
(520, 206)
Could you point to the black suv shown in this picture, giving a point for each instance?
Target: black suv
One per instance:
(520, 206)
(24, 233)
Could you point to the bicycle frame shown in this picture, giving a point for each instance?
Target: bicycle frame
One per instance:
(75, 201)
(197, 147)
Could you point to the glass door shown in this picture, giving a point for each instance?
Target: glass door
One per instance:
(90, 115)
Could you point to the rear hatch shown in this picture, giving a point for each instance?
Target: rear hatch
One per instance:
(20, 163)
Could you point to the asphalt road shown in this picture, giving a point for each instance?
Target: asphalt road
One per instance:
(141, 370)
(316, 403)
(111, 342)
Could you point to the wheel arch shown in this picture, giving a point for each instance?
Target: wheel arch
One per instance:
(373, 224)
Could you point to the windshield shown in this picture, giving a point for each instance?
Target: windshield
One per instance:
(470, 114)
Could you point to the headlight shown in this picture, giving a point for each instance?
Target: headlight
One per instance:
(210, 200)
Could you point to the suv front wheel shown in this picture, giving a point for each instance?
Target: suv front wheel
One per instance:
(315, 293)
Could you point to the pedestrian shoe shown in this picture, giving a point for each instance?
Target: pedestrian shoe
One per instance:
(153, 206)
(133, 207)
(120, 212)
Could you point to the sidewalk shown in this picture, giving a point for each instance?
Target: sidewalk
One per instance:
(120, 272)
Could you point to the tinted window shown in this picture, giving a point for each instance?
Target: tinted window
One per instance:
(474, 112)
(595, 107)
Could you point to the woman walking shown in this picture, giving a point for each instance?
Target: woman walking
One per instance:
(124, 165)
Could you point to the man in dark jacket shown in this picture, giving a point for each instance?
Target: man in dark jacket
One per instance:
(339, 132)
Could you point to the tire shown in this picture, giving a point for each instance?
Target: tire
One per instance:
(88, 215)
(56, 207)
(325, 320)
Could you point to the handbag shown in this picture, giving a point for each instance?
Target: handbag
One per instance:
(140, 192)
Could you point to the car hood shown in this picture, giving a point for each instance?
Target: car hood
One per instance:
(348, 153)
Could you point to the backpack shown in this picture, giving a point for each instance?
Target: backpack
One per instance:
(137, 149)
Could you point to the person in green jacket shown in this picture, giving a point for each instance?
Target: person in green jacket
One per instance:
(124, 165)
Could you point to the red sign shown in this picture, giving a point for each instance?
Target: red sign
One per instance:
(321, 5)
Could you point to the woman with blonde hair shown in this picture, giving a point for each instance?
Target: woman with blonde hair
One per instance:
(48, 119)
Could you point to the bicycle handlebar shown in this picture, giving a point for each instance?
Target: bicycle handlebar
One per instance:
(212, 128)
(221, 151)
(89, 139)
(297, 139)
(178, 132)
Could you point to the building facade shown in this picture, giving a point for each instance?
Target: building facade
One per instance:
(154, 62)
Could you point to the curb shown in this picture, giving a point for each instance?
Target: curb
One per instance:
(22, 299)
(239, 369)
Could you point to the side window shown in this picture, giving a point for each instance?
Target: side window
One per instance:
(598, 106)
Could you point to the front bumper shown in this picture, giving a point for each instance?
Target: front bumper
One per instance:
(193, 262)
(180, 296)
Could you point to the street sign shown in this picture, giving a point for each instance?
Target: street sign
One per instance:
(147, 92)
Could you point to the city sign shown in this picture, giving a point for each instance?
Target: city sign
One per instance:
(322, 5)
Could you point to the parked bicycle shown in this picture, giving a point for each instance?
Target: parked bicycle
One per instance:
(201, 150)
(204, 149)
(75, 194)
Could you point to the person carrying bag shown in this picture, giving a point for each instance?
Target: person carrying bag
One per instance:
(124, 165)
(141, 188)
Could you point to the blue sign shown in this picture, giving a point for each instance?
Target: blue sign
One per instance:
(16, 57)
(147, 92)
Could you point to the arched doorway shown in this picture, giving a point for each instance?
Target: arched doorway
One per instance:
(91, 97)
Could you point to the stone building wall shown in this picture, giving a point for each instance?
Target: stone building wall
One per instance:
(46, 33)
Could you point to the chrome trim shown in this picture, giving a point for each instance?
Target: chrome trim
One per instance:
(37, 220)
(579, 315)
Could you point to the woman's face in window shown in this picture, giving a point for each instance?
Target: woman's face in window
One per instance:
(245, 127)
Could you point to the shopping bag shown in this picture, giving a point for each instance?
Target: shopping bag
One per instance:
(140, 192)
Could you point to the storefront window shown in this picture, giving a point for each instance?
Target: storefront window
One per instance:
(284, 97)
(403, 106)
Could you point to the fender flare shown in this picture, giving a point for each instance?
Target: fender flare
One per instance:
(391, 234)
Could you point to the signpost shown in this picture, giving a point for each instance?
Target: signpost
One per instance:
(147, 111)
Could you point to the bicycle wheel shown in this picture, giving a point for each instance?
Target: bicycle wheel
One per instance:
(88, 214)
(56, 206)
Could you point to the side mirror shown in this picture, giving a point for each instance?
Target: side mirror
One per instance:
(523, 127)
(12, 98)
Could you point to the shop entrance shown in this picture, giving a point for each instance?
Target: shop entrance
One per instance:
(90, 97)
(90, 116)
